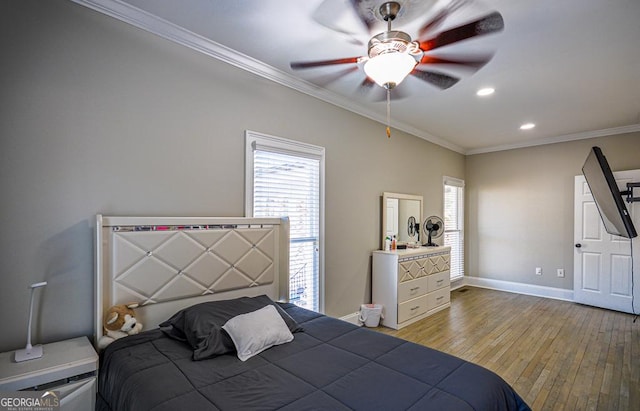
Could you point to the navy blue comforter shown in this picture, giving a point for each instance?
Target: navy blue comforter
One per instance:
(331, 365)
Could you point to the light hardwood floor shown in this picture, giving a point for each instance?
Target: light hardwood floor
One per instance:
(557, 355)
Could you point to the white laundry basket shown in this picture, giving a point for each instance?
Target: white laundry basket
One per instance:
(370, 314)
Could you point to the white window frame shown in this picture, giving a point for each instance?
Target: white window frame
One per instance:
(456, 182)
(267, 142)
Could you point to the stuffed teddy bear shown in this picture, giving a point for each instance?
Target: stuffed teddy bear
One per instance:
(119, 321)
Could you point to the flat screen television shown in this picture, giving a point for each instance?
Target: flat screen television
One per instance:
(607, 196)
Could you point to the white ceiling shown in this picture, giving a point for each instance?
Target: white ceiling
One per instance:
(572, 67)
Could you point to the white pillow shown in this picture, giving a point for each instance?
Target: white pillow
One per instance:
(256, 331)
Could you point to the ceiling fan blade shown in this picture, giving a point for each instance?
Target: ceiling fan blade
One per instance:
(367, 83)
(365, 13)
(488, 24)
(440, 80)
(365, 86)
(441, 16)
(472, 63)
(379, 94)
(398, 93)
(372, 17)
(297, 65)
(333, 15)
(327, 79)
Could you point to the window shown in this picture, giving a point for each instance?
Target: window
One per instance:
(286, 178)
(454, 223)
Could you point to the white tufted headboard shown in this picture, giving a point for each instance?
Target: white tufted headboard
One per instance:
(168, 263)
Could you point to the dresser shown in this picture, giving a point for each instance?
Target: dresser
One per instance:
(411, 284)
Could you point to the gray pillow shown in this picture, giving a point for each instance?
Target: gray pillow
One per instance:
(201, 325)
(257, 331)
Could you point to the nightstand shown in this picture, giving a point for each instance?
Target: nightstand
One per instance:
(68, 367)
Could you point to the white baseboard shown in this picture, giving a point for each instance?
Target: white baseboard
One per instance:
(519, 288)
(500, 285)
(458, 282)
(352, 318)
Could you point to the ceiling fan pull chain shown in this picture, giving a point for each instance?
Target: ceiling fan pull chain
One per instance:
(388, 113)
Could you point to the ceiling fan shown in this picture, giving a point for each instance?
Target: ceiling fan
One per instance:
(392, 55)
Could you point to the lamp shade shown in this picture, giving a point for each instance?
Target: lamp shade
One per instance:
(389, 69)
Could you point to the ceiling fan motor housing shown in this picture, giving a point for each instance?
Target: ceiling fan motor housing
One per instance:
(390, 42)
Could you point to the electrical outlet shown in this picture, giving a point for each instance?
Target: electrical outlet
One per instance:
(560, 272)
(538, 270)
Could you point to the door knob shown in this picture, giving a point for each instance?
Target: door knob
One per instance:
(578, 245)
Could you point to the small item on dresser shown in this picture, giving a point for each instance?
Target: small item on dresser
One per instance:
(387, 243)
(401, 246)
(394, 243)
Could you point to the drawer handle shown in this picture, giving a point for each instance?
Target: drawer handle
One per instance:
(440, 298)
(439, 281)
(414, 289)
(415, 308)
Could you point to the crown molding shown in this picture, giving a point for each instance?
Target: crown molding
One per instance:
(127, 13)
(149, 22)
(559, 139)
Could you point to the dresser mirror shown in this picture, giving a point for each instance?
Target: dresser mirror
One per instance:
(401, 216)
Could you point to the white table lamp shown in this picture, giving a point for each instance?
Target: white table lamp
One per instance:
(30, 352)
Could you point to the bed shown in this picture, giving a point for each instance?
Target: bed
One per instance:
(193, 353)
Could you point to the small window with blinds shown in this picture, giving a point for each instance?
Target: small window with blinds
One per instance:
(284, 178)
(454, 223)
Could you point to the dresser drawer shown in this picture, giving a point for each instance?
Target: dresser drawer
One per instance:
(410, 269)
(412, 289)
(438, 298)
(439, 280)
(412, 308)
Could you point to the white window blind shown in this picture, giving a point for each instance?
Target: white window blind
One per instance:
(454, 223)
(287, 182)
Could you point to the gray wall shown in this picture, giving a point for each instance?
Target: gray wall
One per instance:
(520, 208)
(100, 117)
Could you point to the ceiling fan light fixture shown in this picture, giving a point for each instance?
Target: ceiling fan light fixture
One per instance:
(390, 58)
(389, 69)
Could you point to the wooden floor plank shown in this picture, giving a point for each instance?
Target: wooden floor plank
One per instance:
(558, 355)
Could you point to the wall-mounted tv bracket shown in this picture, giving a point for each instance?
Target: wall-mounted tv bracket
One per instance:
(629, 192)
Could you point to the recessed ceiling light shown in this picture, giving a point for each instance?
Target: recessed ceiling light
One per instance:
(527, 126)
(487, 91)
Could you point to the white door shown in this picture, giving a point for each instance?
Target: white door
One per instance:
(602, 262)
